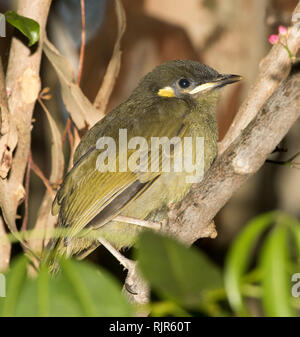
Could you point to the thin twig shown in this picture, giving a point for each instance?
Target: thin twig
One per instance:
(41, 175)
(72, 146)
(66, 130)
(35, 167)
(289, 162)
(71, 139)
(27, 183)
(82, 48)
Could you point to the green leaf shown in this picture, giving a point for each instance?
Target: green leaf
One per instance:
(43, 292)
(294, 227)
(238, 259)
(80, 289)
(14, 281)
(97, 292)
(296, 236)
(27, 305)
(175, 271)
(296, 232)
(275, 281)
(28, 27)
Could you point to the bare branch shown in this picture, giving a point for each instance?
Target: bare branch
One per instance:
(23, 82)
(188, 220)
(8, 133)
(5, 247)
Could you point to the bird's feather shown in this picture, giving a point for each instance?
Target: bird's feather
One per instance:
(87, 192)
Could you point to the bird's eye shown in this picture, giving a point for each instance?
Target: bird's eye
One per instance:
(184, 83)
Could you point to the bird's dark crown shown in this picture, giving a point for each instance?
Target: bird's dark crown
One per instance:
(167, 74)
(183, 79)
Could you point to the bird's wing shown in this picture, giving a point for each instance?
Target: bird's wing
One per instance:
(87, 192)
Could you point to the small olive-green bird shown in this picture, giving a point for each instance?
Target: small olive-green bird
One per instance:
(176, 99)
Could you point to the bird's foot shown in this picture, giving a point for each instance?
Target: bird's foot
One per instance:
(135, 287)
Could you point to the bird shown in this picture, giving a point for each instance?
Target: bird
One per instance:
(176, 100)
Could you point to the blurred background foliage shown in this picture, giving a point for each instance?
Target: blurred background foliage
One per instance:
(257, 279)
(247, 269)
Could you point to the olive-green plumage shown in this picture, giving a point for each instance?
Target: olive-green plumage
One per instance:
(177, 98)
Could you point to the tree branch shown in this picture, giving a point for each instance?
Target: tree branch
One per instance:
(23, 82)
(188, 220)
(8, 133)
(243, 150)
(191, 219)
(274, 69)
(5, 247)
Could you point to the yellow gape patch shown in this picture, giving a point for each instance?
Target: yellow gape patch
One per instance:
(166, 92)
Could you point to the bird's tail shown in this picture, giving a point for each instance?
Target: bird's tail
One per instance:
(52, 253)
(62, 247)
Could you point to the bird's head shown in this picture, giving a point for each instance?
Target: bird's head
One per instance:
(184, 79)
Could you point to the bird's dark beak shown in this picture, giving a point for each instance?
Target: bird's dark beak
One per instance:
(218, 83)
(227, 79)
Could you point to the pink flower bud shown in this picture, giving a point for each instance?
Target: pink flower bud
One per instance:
(282, 30)
(274, 39)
